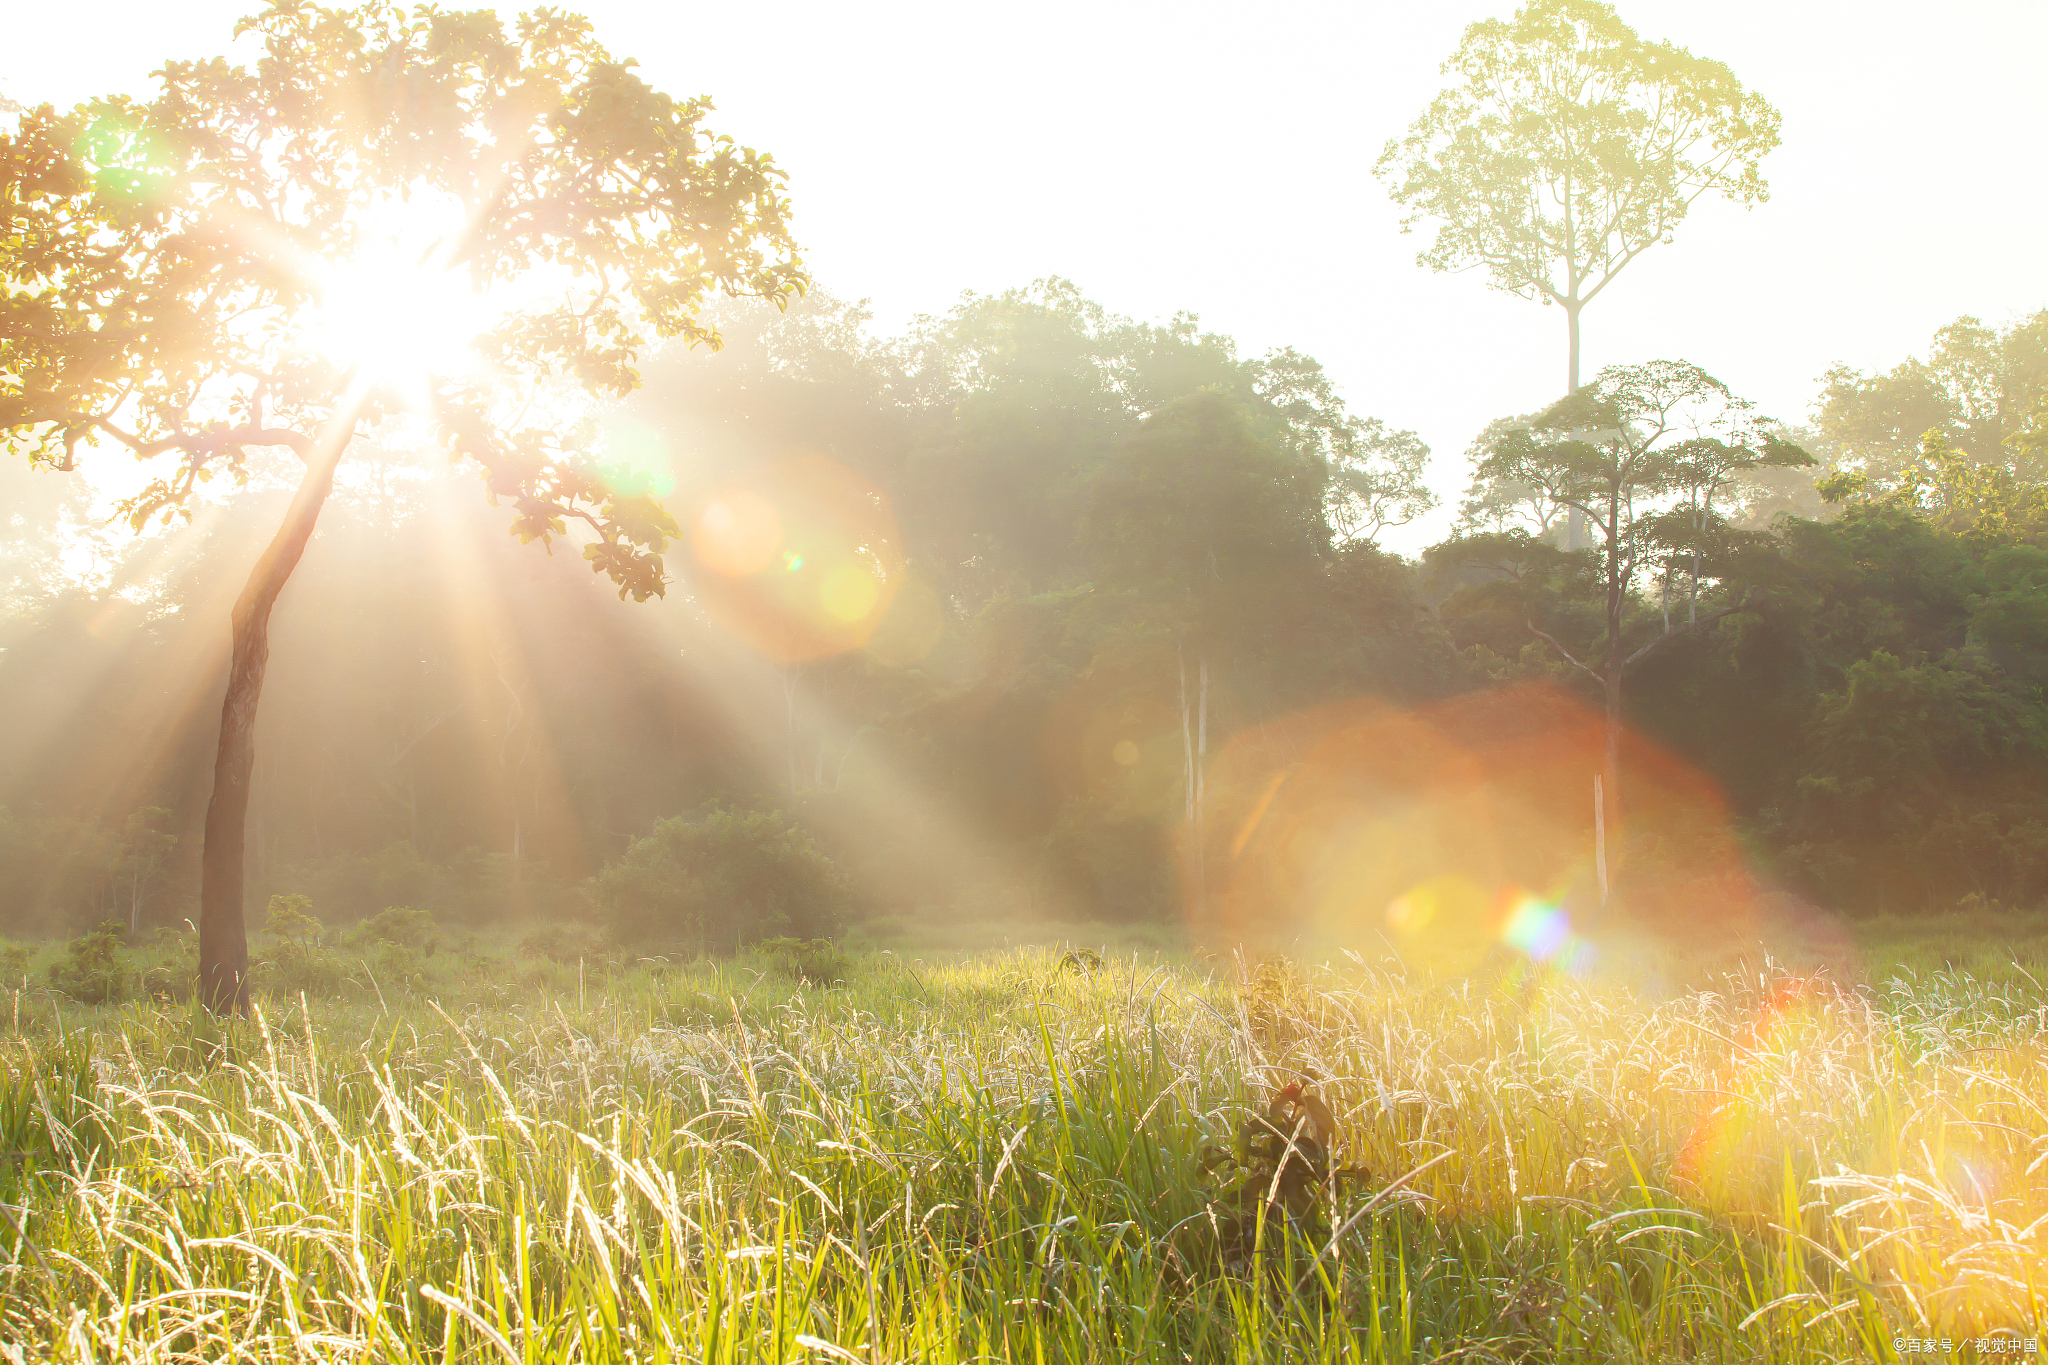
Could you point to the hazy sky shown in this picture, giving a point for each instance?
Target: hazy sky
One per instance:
(1218, 159)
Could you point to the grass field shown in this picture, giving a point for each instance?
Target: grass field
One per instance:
(1001, 1157)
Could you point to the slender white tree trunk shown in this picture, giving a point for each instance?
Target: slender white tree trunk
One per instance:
(1600, 836)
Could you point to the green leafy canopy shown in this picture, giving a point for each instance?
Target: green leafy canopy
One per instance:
(166, 260)
(1570, 146)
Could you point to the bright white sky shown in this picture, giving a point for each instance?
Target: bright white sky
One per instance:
(1217, 158)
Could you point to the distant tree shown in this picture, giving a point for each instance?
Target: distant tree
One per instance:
(1986, 500)
(721, 878)
(1639, 453)
(1375, 473)
(1568, 148)
(1026, 396)
(139, 860)
(177, 274)
(1209, 528)
(1985, 391)
(1497, 505)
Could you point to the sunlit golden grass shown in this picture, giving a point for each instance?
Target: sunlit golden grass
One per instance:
(999, 1159)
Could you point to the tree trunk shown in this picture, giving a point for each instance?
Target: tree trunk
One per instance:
(1571, 323)
(223, 938)
(1617, 665)
(1600, 836)
(1201, 797)
(1575, 520)
(1611, 737)
(1194, 738)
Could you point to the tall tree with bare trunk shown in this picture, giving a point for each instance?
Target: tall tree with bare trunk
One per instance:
(1568, 147)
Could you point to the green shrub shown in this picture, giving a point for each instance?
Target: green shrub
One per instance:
(291, 918)
(395, 964)
(176, 967)
(402, 927)
(94, 971)
(14, 963)
(817, 961)
(562, 942)
(295, 967)
(720, 879)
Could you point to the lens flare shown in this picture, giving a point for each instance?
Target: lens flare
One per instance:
(849, 594)
(803, 558)
(1364, 823)
(737, 534)
(1542, 932)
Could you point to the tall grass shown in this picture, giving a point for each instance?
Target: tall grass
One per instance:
(1001, 1160)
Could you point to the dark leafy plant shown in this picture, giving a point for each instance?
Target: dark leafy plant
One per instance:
(1277, 1180)
(94, 970)
(816, 961)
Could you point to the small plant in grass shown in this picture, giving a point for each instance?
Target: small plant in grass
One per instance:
(815, 961)
(94, 970)
(1081, 961)
(176, 949)
(14, 963)
(1277, 1178)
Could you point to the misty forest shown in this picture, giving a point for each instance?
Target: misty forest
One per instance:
(566, 794)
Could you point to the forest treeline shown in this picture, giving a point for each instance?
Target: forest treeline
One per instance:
(1065, 570)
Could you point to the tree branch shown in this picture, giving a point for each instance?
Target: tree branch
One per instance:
(1562, 650)
(1685, 629)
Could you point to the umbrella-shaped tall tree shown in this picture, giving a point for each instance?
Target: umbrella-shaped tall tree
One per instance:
(1639, 453)
(392, 212)
(1570, 146)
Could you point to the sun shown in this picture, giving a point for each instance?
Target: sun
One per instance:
(396, 312)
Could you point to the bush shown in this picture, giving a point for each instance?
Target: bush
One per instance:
(816, 961)
(294, 967)
(177, 964)
(291, 918)
(94, 970)
(568, 942)
(720, 879)
(402, 927)
(1112, 865)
